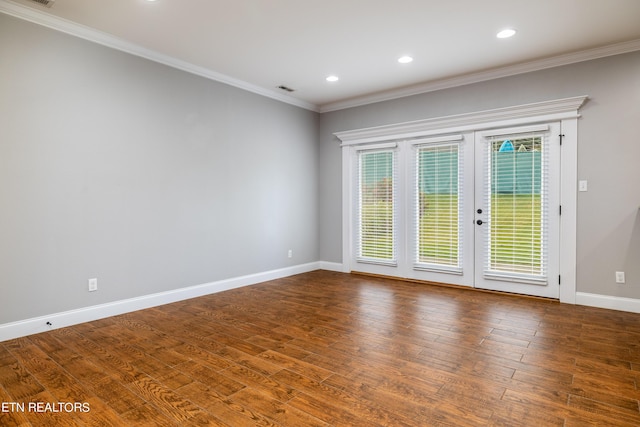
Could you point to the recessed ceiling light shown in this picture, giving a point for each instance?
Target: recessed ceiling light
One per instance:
(506, 33)
(405, 59)
(333, 78)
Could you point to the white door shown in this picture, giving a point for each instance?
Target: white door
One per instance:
(440, 231)
(474, 209)
(375, 203)
(517, 210)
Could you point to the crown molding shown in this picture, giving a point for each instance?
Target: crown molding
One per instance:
(62, 25)
(510, 70)
(53, 22)
(556, 109)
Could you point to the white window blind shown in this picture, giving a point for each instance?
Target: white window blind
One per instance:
(516, 195)
(376, 238)
(438, 207)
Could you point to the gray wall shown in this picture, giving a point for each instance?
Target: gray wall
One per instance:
(152, 179)
(608, 223)
(145, 177)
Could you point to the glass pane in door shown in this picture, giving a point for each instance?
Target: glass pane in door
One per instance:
(516, 199)
(376, 233)
(438, 201)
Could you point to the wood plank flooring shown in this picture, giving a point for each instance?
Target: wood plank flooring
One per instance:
(332, 349)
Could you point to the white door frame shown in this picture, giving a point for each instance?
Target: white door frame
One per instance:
(563, 110)
(548, 284)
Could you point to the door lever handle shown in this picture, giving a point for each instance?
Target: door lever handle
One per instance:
(479, 222)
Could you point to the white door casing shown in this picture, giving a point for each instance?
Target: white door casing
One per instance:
(405, 137)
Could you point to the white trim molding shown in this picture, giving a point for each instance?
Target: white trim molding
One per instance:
(565, 111)
(50, 21)
(496, 73)
(608, 302)
(87, 314)
(331, 266)
(557, 109)
(68, 27)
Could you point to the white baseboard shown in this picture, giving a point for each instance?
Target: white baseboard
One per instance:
(87, 314)
(331, 266)
(73, 317)
(610, 302)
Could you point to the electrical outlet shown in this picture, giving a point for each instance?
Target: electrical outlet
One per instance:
(93, 285)
(620, 277)
(290, 253)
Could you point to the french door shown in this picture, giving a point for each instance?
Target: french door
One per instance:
(478, 209)
(517, 210)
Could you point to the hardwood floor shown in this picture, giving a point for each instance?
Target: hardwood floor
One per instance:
(332, 349)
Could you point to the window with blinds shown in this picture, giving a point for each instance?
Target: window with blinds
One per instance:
(516, 194)
(377, 206)
(438, 202)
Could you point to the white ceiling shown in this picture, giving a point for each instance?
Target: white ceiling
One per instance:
(262, 44)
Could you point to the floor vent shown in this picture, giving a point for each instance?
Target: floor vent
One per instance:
(47, 3)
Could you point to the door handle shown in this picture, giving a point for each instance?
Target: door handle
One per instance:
(479, 222)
